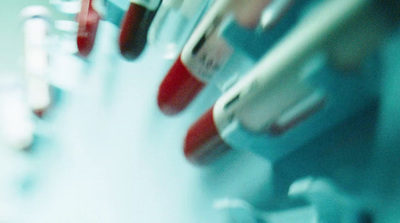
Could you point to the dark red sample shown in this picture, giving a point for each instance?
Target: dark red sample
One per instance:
(39, 112)
(178, 89)
(134, 28)
(203, 144)
(88, 20)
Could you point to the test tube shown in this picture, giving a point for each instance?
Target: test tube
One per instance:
(282, 90)
(173, 24)
(135, 27)
(88, 19)
(36, 30)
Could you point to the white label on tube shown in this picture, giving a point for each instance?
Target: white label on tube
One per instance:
(263, 106)
(36, 63)
(36, 57)
(299, 112)
(206, 52)
(149, 4)
(38, 93)
(266, 108)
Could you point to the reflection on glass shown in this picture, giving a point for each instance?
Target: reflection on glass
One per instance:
(173, 24)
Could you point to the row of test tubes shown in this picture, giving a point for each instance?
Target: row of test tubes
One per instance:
(302, 68)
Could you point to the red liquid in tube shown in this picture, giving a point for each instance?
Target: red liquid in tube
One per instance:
(203, 144)
(134, 28)
(178, 89)
(201, 58)
(88, 20)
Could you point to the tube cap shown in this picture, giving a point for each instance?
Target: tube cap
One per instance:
(203, 144)
(178, 89)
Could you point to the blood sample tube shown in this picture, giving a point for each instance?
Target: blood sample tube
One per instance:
(135, 25)
(276, 94)
(88, 19)
(173, 24)
(204, 55)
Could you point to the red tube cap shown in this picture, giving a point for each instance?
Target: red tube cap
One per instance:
(134, 28)
(88, 20)
(203, 144)
(178, 89)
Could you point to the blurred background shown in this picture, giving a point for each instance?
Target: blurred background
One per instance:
(93, 146)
